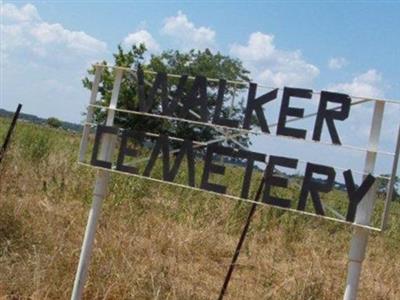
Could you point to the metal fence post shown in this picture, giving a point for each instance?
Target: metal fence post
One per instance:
(7, 139)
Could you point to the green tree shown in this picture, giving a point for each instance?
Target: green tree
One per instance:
(382, 185)
(190, 63)
(53, 122)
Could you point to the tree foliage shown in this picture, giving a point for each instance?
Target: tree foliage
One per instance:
(382, 185)
(192, 63)
(54, 122)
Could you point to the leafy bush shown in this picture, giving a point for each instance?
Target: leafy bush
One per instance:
(54, 122)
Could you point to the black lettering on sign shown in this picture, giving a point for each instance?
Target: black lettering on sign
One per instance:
(146, 103)
(356, 194)
(124, 150)
(251, 158)
(218, 108)
(272, 180)
(160, 145)
(197, 97)
(187, 149)
(329, 115)
(315, 186)
(169, 107)
(255, 104)
(100, 131)
(209, 167)
(286, 110)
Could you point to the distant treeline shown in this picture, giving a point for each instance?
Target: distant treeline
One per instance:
(41, 121)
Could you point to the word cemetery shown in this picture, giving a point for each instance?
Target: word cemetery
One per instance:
(161, 149)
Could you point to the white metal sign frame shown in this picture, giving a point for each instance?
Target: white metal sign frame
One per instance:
(364, 211)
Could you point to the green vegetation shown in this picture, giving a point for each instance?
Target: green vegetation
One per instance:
(54, 122)
(382, 185)
(157, 241)
(192, 63)
(37, 120)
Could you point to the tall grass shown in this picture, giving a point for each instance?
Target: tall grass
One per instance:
(159, 241)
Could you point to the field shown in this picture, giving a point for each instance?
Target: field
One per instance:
(157, 241)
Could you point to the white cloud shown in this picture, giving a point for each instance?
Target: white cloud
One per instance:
(43, 63)
(26, 13)
(272, 66)
(23, 28)
(186, 34)
(368, 84)
(336, 63)
(142, 36)
(12, 36)
(79, 41)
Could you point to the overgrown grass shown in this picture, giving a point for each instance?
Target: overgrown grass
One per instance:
(156, 241)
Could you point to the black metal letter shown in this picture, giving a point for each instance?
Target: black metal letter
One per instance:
(161, 145)
(187, 148)
(96, 147)
(125, 151)
(255, 104)
(271, 180)
(292, 111)
(146, 103)
(209, 167)
(329, 114)
(218, 107)
(356, 195)
(251, 157)
(169, 107)
(170, 174)
(197, 97)
(314, 186)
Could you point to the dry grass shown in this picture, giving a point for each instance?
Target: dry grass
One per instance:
(163, 243)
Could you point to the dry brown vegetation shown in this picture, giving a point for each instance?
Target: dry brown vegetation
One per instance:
(161, 242)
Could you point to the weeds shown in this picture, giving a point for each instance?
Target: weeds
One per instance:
(156, 241)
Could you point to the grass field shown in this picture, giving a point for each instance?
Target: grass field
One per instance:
(158, 241)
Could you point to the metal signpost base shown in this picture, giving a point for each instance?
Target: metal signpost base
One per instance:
(99, 194)
(364, 211)
(102, 181)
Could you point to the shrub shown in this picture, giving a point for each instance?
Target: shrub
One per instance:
(54, 122)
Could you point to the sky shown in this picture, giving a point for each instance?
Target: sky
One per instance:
(352, 47)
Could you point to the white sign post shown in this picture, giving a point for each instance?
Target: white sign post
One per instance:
(391, 183)
(360, 236)
(100, 188)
